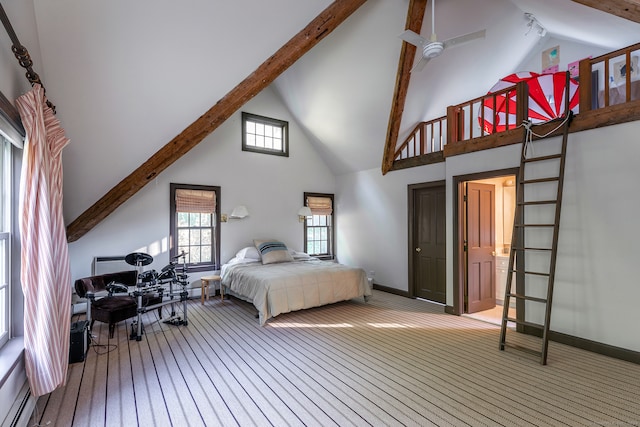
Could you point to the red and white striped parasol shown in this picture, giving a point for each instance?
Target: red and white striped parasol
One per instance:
(546, 100)
(547, 94)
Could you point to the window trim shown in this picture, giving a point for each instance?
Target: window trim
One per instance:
(332, 235)
(284, 125)
(7, 231)
(173, 247)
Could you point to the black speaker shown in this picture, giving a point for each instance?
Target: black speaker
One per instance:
(79, 341)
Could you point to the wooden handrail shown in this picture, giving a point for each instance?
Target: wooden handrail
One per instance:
(461, 117)
(423, 135)
(589, 99)
(462, 114)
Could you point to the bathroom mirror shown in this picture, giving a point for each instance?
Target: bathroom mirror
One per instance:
(508, 211)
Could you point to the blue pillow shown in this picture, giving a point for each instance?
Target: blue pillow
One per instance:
(272, 251)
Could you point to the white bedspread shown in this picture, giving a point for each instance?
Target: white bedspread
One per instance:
(289, 286)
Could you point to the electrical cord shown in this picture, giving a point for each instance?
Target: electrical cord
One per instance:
(528, 140)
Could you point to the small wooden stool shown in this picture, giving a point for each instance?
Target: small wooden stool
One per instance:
(205, 281)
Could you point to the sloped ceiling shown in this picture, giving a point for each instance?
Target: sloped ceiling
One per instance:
(129, 76)
(347, 119)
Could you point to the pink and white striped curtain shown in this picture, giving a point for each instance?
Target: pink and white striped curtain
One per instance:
(45, 272)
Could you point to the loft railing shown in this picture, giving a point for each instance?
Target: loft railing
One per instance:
(610, 79)
(426, 138)
(605, 81)
(491, 113)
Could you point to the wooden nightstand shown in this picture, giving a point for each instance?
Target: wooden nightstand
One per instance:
(205, 281)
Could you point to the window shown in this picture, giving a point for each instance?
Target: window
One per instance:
(195, 225)
(6, 204)
(265, 135)
(318, 228)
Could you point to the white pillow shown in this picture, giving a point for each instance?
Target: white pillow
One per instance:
(300, 255)
(250, 252)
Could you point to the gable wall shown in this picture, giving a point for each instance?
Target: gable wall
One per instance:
(271, 187)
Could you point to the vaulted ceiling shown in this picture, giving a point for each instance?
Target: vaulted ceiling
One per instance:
(130, 76)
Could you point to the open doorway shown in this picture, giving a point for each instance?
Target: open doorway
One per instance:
(485, 211)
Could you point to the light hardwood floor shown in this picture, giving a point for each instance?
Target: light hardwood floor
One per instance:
(392, 361)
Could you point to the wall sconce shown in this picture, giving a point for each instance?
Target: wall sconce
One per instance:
(303, 213)
(238, 212)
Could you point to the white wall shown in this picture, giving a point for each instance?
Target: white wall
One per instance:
(570, 51)
(271, 187)
(596, 289)
(372, 220)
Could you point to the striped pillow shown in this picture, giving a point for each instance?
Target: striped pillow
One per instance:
(272, 251)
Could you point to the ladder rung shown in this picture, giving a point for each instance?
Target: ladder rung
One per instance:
(535, 225)
(522, 348)
(524, 322)
(530, 272)
(538, 202)
(530, 249)
(542, 158)
(539, 180)
(528, 298)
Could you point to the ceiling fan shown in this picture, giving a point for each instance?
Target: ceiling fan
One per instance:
(432, 48)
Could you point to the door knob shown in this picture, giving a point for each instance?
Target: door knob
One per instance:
(493, 253)
(418, 250)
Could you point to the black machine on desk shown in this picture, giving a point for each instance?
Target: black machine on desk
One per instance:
(152, 282)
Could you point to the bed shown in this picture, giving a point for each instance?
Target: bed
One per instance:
(295, 281)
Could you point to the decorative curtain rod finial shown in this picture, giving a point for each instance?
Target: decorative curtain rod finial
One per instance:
(22, 55)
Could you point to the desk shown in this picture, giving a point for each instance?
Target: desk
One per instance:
(205, 281)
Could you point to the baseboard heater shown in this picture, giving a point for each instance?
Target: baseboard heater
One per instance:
(22, 408)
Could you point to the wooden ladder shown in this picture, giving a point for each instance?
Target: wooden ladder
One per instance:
(530, 287)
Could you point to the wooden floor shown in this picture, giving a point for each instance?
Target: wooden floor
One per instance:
(392, 361)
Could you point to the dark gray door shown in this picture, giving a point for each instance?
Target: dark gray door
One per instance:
(429, 252)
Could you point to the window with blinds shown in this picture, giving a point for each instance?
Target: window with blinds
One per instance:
(195, 225)
(319, 227)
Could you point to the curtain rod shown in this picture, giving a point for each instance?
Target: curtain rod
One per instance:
(22, 55)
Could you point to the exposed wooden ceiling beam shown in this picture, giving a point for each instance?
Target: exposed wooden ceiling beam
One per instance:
(415, 15)
(627, 9)
(327, 21)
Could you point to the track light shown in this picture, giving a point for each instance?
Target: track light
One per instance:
(534, 24)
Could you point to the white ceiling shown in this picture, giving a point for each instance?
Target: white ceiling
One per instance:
(129, 76)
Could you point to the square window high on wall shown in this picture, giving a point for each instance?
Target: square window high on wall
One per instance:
(265, 135)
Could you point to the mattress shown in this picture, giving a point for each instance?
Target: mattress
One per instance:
(289, 286)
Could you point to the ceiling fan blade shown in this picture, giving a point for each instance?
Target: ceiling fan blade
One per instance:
(420, 65)
(457, 41)
(413, 38)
